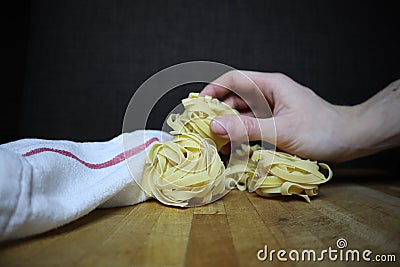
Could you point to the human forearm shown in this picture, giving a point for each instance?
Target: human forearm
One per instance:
(375, 123)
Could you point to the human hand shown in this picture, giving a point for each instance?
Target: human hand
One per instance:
(306, 125)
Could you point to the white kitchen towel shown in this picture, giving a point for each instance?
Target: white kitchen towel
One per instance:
(45, 184)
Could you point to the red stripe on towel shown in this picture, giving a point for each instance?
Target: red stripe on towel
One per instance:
(117, 159)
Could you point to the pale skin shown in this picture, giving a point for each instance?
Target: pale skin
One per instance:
(307, 125)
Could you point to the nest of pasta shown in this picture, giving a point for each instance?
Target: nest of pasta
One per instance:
(270, 173)
(185, 170)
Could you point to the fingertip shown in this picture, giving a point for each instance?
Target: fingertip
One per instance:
(218, 128)
(230, 102)
(207, 90)
(214, 90)
(226, 149)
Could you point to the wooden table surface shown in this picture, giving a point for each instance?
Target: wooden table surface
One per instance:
(228, 232)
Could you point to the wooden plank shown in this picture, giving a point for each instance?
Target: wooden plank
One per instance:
(216, 207)
(300, 225)
(318, 224)
(382, 197)
(114, 211)
(355, 229)
(15, 253)
(210, 242)
(287, 230)
(64, 246)
(376, 212)
(228, 232)
(167, 243)
(237, 200)
(249, 232)
(391, 188)
(305, 214)
(287, 220)
(127, 244)
(365, 201)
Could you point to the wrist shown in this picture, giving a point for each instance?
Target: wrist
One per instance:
(368, 130)
(351, 132)
(359, 140)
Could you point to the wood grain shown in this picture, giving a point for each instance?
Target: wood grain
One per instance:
(228, 232)
(210, 242)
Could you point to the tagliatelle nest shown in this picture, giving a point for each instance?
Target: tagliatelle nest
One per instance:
(271, 173)
(188, 171)
(185, 170)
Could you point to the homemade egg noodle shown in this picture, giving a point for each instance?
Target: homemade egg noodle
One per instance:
(188, 171)
(199, 111)
(271, 173)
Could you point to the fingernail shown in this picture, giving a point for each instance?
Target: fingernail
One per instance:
(217, 128)
(205, 90)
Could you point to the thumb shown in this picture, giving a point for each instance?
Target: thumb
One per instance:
(240, 127)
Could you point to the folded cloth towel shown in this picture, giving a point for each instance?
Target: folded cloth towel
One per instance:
(45, 184)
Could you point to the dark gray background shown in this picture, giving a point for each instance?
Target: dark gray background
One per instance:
(73, 65)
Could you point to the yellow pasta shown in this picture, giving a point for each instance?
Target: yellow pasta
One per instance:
(271, 173)
(188, 171)
(198, 114)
